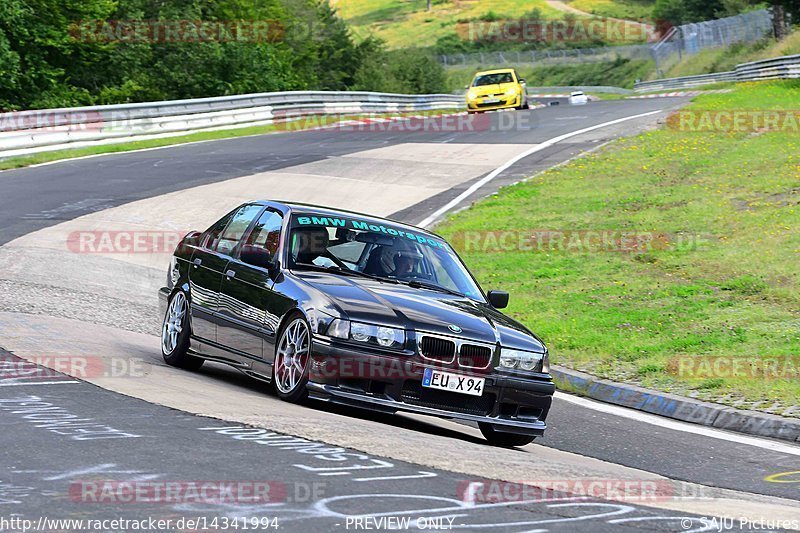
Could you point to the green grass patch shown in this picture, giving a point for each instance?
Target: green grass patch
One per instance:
(407, 24)
(720, 278)
(620, 9)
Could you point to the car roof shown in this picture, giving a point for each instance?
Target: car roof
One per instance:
(495, 71)
(300, 208)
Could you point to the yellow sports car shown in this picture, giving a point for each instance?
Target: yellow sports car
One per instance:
(496, 89)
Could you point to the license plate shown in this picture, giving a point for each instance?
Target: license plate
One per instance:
(491, 100)
(436, 379)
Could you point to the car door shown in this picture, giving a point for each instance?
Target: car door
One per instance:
(246, 295)
(208, 264)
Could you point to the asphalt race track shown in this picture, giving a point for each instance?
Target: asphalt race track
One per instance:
(147, 423)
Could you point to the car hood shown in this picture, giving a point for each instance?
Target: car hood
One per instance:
(371, 301)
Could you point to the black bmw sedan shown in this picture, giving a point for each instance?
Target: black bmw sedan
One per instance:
(345, 307)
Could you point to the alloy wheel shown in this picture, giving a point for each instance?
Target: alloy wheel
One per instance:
(292, 356)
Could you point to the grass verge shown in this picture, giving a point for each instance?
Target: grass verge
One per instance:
(70, 153)
(720, 278)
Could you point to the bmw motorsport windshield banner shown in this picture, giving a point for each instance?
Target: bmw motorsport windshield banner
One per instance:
(363, 225)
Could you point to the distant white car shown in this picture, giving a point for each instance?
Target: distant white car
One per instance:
(578, 98)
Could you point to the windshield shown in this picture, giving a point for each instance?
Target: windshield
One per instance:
(380, 250)
(492, 79)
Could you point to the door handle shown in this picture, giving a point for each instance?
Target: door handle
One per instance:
(230, 274)
(197, 262)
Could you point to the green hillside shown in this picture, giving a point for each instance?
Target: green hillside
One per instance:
(407, 23)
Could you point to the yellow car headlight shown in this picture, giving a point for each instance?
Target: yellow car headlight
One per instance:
(511, 92)
(472, 96)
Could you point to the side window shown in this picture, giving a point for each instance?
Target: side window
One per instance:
(267, 232)
(213, 233)
(236, 228)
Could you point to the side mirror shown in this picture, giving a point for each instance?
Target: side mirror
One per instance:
(522, 81)
(257, 256)
(466, 86)
(498, 299)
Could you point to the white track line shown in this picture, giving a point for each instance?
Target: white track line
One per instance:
(668, 423)
(493, 174)
(24, 384)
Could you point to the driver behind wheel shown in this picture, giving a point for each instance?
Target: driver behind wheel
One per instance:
(406, 263)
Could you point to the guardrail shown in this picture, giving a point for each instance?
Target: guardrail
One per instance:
(26, 132)
(785, 67)
(585, 88)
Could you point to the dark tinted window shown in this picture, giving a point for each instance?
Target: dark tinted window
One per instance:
(491, 79)
(267, 232)
(235, 229)
(212, 234)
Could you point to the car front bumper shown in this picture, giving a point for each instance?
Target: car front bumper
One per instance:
(392, 382)
(478, 105)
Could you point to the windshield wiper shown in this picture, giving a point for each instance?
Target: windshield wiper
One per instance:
(432, 286)
(344, 271)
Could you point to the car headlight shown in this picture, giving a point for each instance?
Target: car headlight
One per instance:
(384, 336)
(511, 92)
(472, 96)
(518, 359)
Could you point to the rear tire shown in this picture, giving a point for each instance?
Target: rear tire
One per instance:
(506, 440)
(175, 334)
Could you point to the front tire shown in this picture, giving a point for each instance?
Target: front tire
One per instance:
(292, 354)
(175, 335)
(506, 440)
